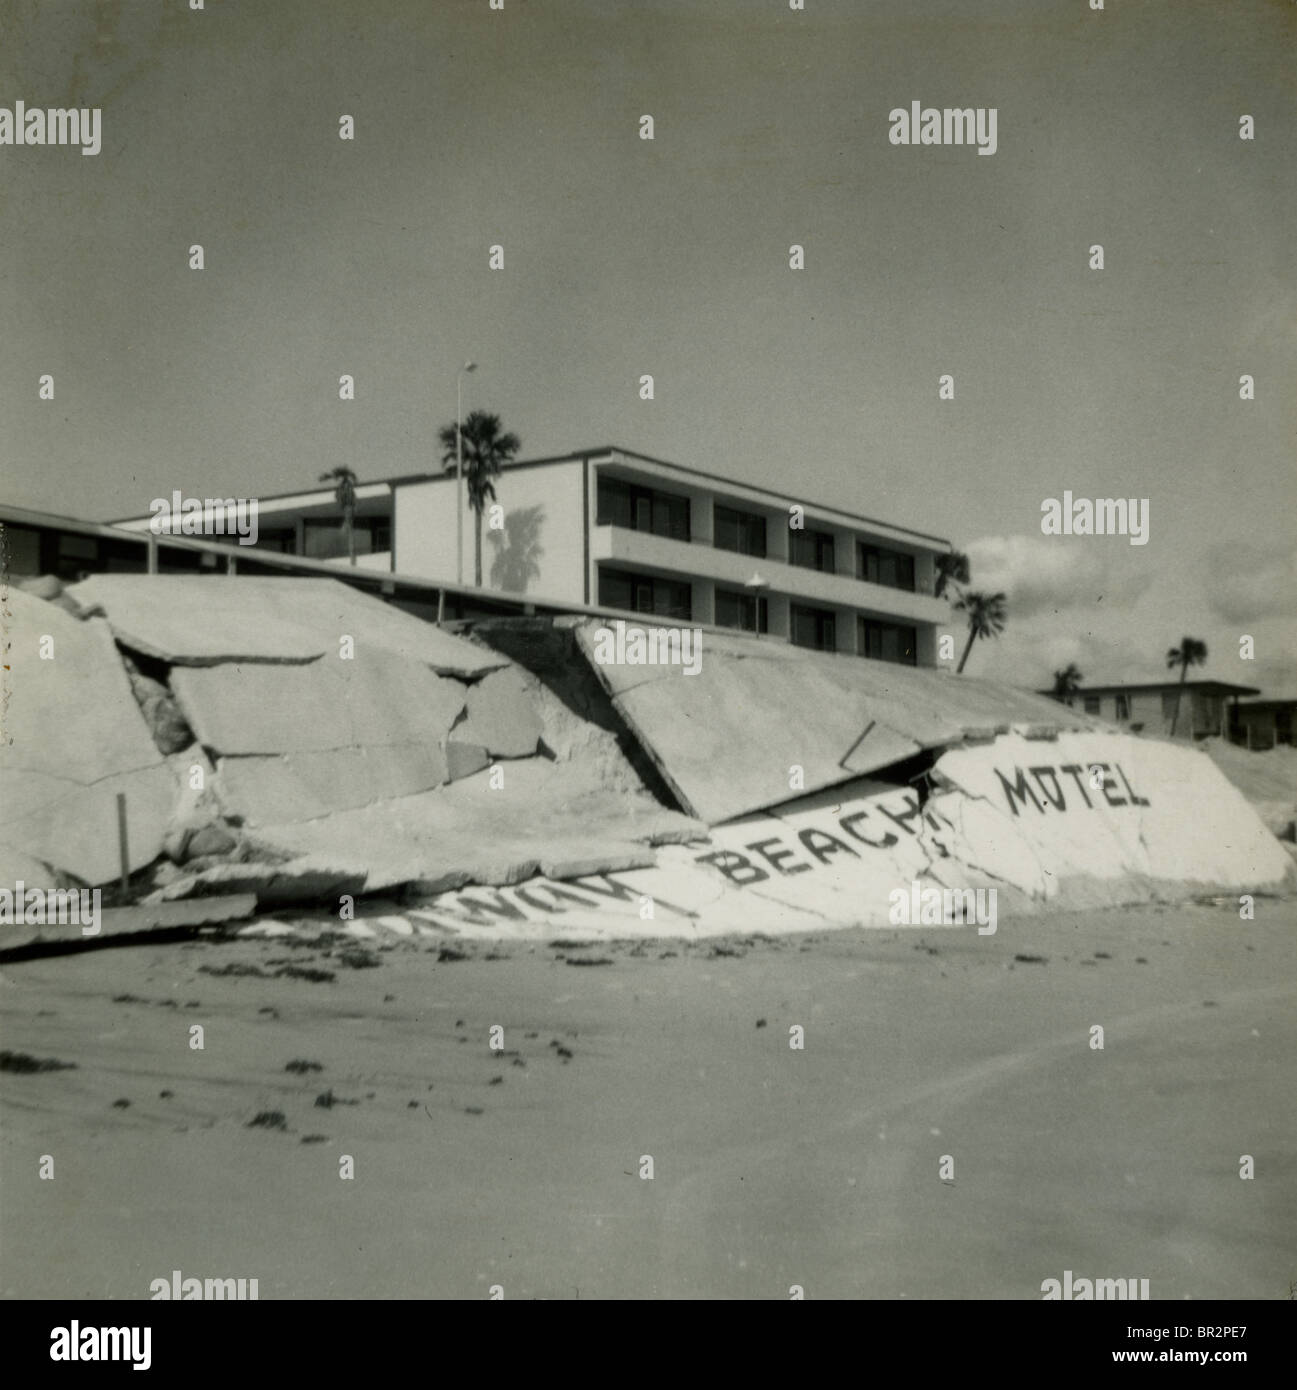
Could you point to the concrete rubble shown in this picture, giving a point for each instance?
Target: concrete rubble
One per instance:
(73, 738)
(1006, 818)
(727, 738)
(144, 920)
(207, 620)
(512, 784)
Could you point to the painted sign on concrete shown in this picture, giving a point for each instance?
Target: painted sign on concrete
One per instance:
(1081, 820)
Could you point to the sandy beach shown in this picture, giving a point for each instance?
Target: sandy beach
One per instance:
(773, 1167)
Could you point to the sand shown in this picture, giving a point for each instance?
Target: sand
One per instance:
(773, 1167)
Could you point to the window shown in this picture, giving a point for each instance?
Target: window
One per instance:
(743, 532)
(812, 627)
(812, 550)
(887, 567)
(1091, 704)
(284, 541)
(77, 555)
(24, 549)
(324, 539)
(645, 593)
(748, 612)
(1123, 707)
(642, 509)
(887, 641)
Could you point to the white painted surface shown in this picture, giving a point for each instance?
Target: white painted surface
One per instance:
(835, 859)
(543, 501)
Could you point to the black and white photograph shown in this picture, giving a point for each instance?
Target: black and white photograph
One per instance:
(649, 653)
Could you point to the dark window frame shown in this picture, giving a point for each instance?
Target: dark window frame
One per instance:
(649, 509)
(880, 629)
(372, 527)
(665, 598)
(825, 558)
(883, 558)
(752, 606)
(825, 621)
(749, 531)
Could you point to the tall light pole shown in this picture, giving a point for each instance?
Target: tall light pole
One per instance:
(459, 472)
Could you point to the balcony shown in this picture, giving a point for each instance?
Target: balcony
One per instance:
(698, 560)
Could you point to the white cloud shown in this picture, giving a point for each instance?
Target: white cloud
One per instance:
(1051, 575)
(1245, 586)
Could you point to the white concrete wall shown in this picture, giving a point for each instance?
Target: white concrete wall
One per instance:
(1200, 713)
(539, 551)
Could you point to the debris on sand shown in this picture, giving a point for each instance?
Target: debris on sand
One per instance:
(25, 1064)
(268, 1119)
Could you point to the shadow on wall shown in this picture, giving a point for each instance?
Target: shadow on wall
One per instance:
(517, 550)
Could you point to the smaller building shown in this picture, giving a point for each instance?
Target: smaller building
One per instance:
(1206, 707)
(1262, 723)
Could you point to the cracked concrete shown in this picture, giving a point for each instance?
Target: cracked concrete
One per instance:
(206, 620)
(761, 717)
(836, 857)
(72, 739)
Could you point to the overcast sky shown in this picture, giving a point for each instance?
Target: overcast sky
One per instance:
(623, 256)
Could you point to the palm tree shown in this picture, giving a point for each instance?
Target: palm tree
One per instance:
(1190, 652)
(345, 495)
(986, 618)
(952, 568)
(1066, 683)
(485, 449)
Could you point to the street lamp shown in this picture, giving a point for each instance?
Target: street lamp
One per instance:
(459, 473)
(757, 586)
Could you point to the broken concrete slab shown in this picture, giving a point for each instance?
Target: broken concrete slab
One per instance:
(51, 588)
(71, 738)
(1010, 824)
(69, 713)
(545, 818)
(119, 925)
(307, 878)
(204, 620)
(266, 790)
(826, 860)
(728, 738)
(501, 717)
(1108, 808)
(73, 827)
(378, 699)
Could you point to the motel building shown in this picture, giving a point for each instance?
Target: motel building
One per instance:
(1207, 707)
(617, 530)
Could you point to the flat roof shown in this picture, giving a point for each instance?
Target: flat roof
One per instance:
(594, 455)
(1203, 685)
(322, 491)
(782, 497)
